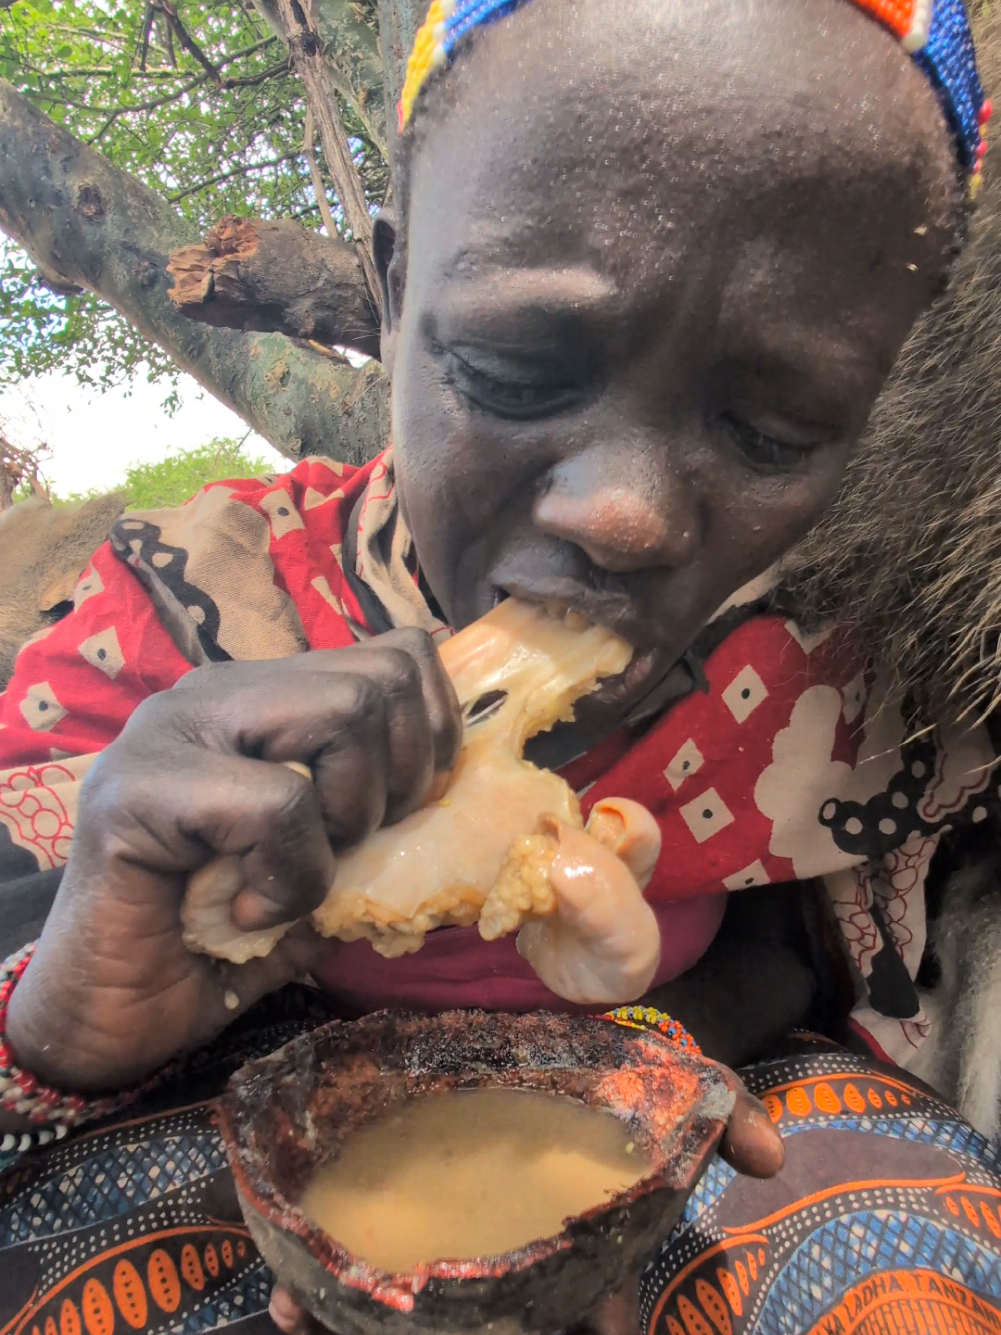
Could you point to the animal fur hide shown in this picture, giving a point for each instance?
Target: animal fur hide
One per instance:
(910, 553)
(43, 551)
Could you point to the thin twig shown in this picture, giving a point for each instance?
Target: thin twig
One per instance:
(226, 176)
(323, 204)
(169, 10)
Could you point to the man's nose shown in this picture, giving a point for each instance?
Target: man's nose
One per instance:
(621, 526)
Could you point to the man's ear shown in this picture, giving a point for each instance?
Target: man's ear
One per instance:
(390, 268)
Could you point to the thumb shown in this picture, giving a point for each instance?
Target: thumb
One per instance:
(750, 1142)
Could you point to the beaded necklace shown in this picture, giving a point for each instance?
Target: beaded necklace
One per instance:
(935, 33)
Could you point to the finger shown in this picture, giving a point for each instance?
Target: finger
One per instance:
(410, 764)
(440, 699)
(291, 1317)
(177, 818)
(423, 713)
(299, 710)
(750, 1142)
(418, 702)
(619, 1313)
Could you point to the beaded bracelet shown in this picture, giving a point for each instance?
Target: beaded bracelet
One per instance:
(645, 1017)
(22, 1093)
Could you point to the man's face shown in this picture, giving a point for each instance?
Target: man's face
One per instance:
(659, 262)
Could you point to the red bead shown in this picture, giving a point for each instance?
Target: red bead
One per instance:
(986, 112)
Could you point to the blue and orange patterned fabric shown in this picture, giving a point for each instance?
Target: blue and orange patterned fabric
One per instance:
(886, 1219)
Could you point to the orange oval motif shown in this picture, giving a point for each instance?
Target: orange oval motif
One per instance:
(241, 1250)
(50, 1326)
(798, 1102)
(211, 1260)
(98, 1313)
(874, 1099)
(714, 1307)
(890, 1097)
(227, 1254)
(773, 1105)
(163, 1281)
(969, 1209)
(69, 1319)
(191, 1267)
(854, 1099)
(742, 1277)
(761, 1256)
(951, 1206)
(990, 1219)
(35, 1331)
(130, 1295)
(695, 1324)
(826, 1099)
(752, 1265)
(729, 1286)
(674, 1327)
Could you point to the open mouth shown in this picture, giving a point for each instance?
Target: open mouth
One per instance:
(615, 697)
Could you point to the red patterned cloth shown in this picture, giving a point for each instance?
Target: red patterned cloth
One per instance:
(784, 764)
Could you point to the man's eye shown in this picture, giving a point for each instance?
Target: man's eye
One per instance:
(530, 393)
(762, 450)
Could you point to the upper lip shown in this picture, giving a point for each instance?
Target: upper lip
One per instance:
(614, 611)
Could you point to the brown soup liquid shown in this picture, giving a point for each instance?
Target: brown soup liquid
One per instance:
(470, 1173)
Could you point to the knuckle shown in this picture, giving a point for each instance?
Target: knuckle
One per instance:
(290, 799)
(204, 678)
(403, 672)
(155, 713)
(414, 641)
(361, 698)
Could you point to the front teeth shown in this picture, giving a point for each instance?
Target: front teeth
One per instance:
(560, 610)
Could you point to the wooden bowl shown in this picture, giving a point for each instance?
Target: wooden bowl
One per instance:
(285, 1114)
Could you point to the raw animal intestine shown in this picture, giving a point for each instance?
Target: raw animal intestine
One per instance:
(505, 845)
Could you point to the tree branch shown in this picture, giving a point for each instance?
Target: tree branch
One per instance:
(321, 94)
(322, 203)
(331, 35)
(174, 25)
(276, 276)
(87, 222)
(226, 176)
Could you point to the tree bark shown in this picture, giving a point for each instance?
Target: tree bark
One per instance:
(319, 75)
(84, 221)
(275, 277)
(347, 48)
(399, 21)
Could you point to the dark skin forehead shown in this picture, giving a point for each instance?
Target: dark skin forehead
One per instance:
(715, 222)
(601, 125)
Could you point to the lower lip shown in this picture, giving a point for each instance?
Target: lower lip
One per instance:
(630, 682)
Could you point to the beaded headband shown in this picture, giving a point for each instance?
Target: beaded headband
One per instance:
(935, 33)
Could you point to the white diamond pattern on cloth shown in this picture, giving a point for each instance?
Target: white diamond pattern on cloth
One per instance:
(745, 693)
(753, 874)
(104, 652)
(285, 518)
(90, 583)
(313, 498)
(322, 586)
(687, 760)
(41, 708)
(706, 815)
